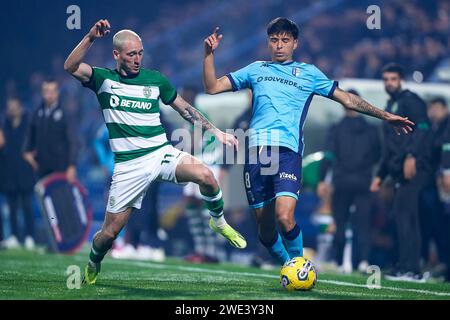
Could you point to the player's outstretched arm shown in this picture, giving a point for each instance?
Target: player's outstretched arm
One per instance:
(194, 116)
(351, 101)
(211, 83)
(74, 65)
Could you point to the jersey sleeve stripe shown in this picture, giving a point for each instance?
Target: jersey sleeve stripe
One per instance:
(335, 85)
(171, 100)
(233, 83)
(90, 83)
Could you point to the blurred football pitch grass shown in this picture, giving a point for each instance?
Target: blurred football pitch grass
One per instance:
(34, 275)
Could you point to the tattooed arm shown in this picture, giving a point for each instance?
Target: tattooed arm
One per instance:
(351, 101)
(195, 117)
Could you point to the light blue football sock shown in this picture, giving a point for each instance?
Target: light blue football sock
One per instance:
(276, 249)
(293, 240)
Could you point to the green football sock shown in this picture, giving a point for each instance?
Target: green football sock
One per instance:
(96, 255)
(214, 203)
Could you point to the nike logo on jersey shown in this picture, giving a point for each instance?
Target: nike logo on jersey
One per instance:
(114, 88)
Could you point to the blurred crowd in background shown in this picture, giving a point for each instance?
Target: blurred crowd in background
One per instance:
(333, 36)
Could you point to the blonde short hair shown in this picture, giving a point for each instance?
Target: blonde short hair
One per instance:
(123, 36)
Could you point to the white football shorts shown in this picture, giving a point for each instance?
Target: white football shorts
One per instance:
(132, 178)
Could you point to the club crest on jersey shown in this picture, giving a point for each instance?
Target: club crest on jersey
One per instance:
(147, 92)
(296, 71)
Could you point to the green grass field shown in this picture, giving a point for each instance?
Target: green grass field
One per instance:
(26, 275)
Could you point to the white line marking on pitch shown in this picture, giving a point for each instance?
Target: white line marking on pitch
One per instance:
(249, 274)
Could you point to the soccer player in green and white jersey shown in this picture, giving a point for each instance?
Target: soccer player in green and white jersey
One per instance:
(129, 97)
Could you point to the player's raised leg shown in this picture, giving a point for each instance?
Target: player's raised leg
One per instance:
(268, 233)
(102, 242)
(292, 235)
(190, 169)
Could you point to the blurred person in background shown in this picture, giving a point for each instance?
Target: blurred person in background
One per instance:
(432, 218)
(51, 143)
(355, 146)
(18, 175)
(407, 161)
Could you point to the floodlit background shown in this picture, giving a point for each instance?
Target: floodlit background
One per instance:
(333, 36)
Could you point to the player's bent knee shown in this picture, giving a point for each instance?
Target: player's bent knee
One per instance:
(110, 234)
(285, 219)
(206, 177)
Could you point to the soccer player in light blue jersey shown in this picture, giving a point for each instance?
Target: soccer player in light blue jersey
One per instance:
(282, 92)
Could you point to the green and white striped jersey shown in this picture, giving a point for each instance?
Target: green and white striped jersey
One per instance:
(130, 107)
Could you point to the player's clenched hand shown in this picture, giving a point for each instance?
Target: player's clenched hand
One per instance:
(400, 124)
(212, 42)
(227, 139)
(99, 30)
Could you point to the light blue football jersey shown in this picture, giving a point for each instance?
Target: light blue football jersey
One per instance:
(282, 93)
